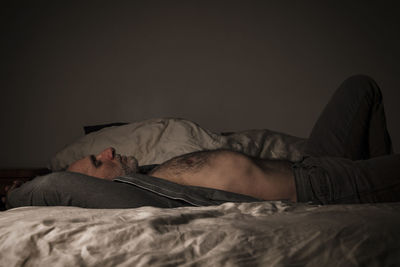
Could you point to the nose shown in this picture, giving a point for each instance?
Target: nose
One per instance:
(107, 153)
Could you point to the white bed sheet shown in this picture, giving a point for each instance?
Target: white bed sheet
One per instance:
(232, 234)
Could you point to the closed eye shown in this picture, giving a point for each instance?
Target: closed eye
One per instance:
(96, 163)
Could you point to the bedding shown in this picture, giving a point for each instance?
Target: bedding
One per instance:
(266, 233)
(157, 140)
(231, 234)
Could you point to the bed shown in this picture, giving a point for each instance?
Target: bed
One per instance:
(269, 233)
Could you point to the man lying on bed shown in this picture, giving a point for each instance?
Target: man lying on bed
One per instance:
(348, 159)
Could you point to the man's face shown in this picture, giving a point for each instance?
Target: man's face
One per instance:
(106, 165)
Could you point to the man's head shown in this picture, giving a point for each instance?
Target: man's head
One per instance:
(106, 165)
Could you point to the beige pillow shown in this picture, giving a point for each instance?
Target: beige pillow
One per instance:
(157, 140)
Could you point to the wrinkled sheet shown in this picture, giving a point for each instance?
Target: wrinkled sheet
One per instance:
(240, 234)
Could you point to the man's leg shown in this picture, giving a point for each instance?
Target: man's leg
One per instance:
(353, 124)
(329, 180)
(74, 189)
(382, 175)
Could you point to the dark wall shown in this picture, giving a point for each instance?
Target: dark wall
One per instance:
(228, 65)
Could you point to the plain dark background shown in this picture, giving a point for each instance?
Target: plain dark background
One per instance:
(227, 65)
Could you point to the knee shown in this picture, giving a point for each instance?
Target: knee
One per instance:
(363, 85)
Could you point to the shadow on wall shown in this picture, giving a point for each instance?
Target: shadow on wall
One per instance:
(228, 65)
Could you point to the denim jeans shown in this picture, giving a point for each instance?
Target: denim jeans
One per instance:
(348, 156)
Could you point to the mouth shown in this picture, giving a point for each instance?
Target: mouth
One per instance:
(127, 161)
(120, 159)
